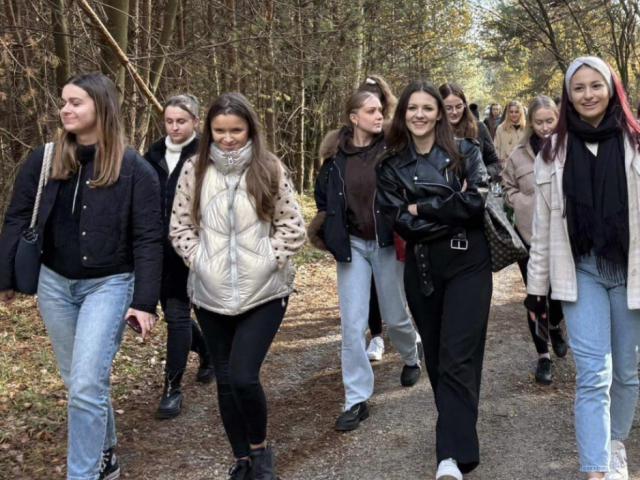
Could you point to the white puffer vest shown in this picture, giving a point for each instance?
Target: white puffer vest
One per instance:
(235, 267)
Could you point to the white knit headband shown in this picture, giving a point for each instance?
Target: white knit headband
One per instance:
(594, 62)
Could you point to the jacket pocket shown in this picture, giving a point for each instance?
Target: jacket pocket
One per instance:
(525, 179)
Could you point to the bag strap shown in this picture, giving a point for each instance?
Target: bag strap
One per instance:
(44, 178)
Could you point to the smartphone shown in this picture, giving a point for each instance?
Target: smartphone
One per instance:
(132, 321)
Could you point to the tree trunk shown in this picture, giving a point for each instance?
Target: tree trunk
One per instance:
(231, 59)
(118, 26)
(60, 42)
(300, 128)
(270, 112)
(170, 12)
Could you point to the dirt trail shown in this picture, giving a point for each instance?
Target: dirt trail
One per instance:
(526, 430)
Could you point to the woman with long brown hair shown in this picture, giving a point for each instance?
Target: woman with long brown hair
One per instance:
(100, 233)
(447, 275)
(236, 224)
(493, 118)
(466, 125)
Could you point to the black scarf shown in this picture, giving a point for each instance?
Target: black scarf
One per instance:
(534, 141)
(597, 207)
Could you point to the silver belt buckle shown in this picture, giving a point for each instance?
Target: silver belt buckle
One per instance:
(459, 244)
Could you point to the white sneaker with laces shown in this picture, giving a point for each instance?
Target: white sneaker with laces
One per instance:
(448, 470)
(375, 350)
(618, 465)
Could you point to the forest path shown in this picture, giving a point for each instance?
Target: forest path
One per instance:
(526, 430)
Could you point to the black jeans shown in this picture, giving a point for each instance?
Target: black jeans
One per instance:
(375, 319)
(183, 334)
(453, 325)
(239, 345)
(554, 306)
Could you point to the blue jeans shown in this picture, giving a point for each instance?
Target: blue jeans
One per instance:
(354, 289)
(85, 321)
(604, 336)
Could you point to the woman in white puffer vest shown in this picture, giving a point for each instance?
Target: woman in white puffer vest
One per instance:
(236, 223)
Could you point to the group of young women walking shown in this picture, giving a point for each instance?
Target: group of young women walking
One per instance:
(210, 221)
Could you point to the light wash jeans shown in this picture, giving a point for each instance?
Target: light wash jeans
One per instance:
(354, 289)
(85, 321)
(604, 336)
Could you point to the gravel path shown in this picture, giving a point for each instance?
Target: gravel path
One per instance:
(526, 430)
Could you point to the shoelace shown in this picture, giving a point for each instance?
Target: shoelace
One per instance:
(618, 459)
(104, 461)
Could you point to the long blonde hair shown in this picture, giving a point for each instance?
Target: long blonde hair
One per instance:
(506, 123)
(541, 101)
(111, 139)
(263, 174)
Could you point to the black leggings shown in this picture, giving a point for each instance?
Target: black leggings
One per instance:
(239, 345)
(375, 319)
(555, 312)
(183, 334)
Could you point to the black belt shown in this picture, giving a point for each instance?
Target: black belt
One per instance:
(459, 241)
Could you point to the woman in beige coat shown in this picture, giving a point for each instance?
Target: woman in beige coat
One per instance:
(519, 192)
(511, 130)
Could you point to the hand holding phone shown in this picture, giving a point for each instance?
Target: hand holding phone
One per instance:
(141, 322)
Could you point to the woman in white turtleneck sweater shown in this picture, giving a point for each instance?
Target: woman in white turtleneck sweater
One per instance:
(167, 156)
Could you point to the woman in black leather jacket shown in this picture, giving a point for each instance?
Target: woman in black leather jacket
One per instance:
(432, 190)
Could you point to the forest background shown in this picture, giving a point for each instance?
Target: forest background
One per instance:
(296, 60)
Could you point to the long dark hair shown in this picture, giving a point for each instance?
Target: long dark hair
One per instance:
(491, 120)
(399, 137)
(467, 126)
(111, 138)
(626, 120)
(263, 174)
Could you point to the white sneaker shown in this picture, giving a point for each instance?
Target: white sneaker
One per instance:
(375, 350)
(448, 470)
(618, 465)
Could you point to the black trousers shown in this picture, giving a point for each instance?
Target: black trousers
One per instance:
(453, 325)
(375, 319)
(183, 334)
(554, 307)
(239, 345)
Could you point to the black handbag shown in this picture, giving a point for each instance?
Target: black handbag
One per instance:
(505, 245)
(27, 261)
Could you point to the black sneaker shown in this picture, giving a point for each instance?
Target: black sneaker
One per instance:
(350, 420)
(558, 343)
(240, 471)
(543, 371)
(263, 464)
(109, 466)
(410, 375)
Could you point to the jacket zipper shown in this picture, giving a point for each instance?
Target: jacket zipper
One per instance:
(75, 194)
(164, 200)
(233, 241)
(375, 222)
(436, 185)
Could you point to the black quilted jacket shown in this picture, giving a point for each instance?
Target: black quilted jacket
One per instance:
(122, 224)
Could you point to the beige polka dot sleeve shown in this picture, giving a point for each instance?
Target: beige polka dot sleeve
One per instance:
(289, 229)
(183, 232)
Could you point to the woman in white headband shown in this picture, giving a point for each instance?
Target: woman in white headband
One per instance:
(585, 244)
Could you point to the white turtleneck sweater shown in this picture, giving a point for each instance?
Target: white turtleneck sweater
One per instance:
(172, 156)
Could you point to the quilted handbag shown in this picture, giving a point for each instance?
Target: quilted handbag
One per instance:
(504, 243)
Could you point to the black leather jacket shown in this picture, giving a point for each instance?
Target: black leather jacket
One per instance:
(444, 210)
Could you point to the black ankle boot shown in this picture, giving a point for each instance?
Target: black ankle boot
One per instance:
(206, 372)
(171, 400)
(263, 465)
(543, 371)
